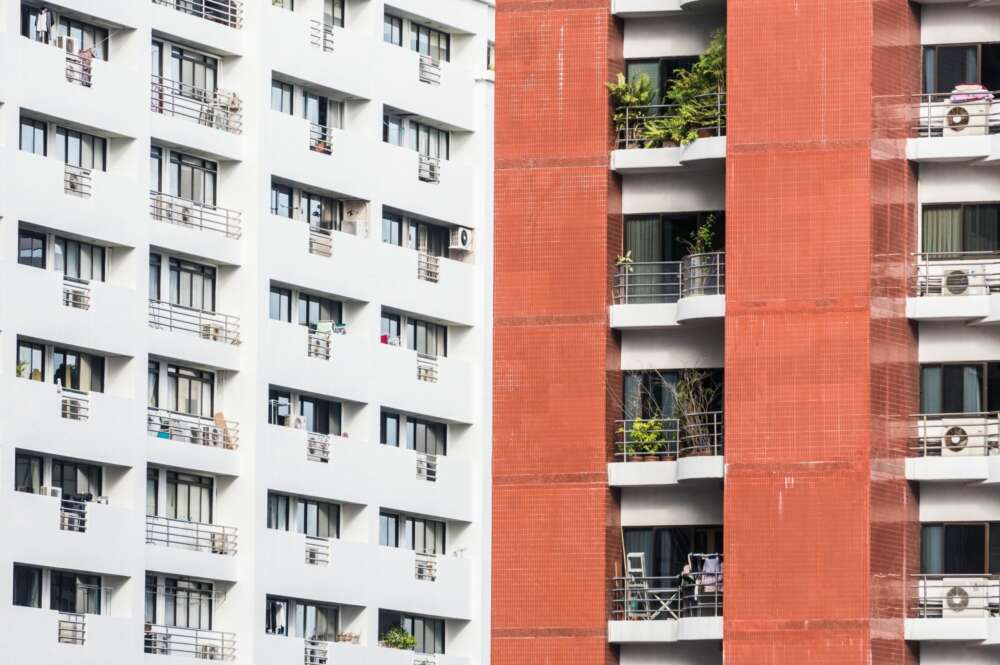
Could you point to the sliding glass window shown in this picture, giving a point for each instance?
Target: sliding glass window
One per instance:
(972, 227)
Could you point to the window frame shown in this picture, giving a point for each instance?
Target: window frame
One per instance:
(36, 126)
(33, 261)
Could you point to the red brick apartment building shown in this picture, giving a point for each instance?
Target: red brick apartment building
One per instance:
(741, 415)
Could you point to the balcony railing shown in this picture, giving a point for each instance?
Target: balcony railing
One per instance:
(429, 70)
(316, 652)
(427, 467)
(226, 12)
(429, 169)
(77, 181)
(956, 274)
(647, 126)
(427, 368)
(72, 628)
(425, 567)
(665, 439)
(955, 434)
(320, 139)
(79, 69)
(199, 430)
(321, 35)
(428, 267)
(318, 447)
(207, 325)
(75, 405)
(187, 535)
(669, 281)
(219, 109)
(662, 598)
(203, 216)
(191, 642)
(76, 293)
(317, 551)
(72, 515)
(955, 597)
(974, 112)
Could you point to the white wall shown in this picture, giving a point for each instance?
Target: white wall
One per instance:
(674, 35)
(950, 341)
(958, 24)
(672, 505)
(696, 653)
(955, 502)
(680, 347)
(684, 190)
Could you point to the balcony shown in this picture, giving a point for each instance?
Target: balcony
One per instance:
(667, 451)
(282, 649)
(666, 609)
(195, 215)
(669, 293)
(201, 323)
(954, 608)
(224, 12)
(955, 286)
(411, 384)
(642, 146)
(960, 126)
(651, 8)
(192, 536)
(214, 432)
(955, 447)
(59, 637)
(189, 642)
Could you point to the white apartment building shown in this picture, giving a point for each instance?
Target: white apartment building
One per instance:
(245, 291)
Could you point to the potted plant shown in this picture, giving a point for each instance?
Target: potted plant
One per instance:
(630, 101)
(20, 369)
(397, 638)
(694, 398)
(696, 95)
(644, 438)
(699, 261)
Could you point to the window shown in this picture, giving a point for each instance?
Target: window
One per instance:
(392, 228)
(428, 238)
(192, 285)
(281, 96)
(31, 248)
(430, 42)
(429, 141)
(285, 4)
(78, 371)
(27, 586)
(948, 66)
(333, 12)
(276, 616)
(427, 338)
(33, 136)
(321, 212)
(154, 277)
(74, 592)
(314, 309)
(278, 511)
(960, 548)
(392, 30)
(306, 620)
(960, 388)
(280, 407)
(321, 416)
(192, 178)
(388, 530)
(390, 328)
(29, 24)
(149, 611)
(281, 200)
(86, 36)
(188, 604)
(77, 479)
(156, 168)
(317, 518)
(666, 548)
(315, 109)
(392, 129)
(196, 72)
(280, 306)
(190, 391)
(661, 73)
(152, 492)
(30, 361)
(82, 150)
(650, 394)
(961, 228)
(27, 473)
(79, 260)
(429, 633)
(412, 533)
(389, 428)
(425, 436)
(189, 497)
(153, 383)
(491, 56)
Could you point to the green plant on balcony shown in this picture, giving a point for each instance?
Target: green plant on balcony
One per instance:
(397, 638)
(702, 239)
(701, 267)
(695, 95)
(694, 398)
(644, 436)
(20, 369)
(630, 101)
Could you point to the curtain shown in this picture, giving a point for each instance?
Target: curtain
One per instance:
(972, 390)
(645, 283)
(932, 549)
(981, 222)
(942, 229)
(633, 385)
(930, 390)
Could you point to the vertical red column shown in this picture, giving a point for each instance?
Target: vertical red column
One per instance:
(558, 227)
(821, 526)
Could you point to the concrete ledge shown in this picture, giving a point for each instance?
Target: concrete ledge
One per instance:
(697, 308)
(979, 468)
(653, 160)
(954, 148)
(977, 629)
(654, 315)
(665, 630)
(642, 474)
(953, 308)
(701, 468)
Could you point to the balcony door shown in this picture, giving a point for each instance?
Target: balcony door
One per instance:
(195, 74)
(191, 391)
(189, 497)
(192, 285)
(188, 604)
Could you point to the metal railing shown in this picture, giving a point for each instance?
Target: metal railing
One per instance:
(203, 216)
(645, 126)
(207, 325)
(226, 12)
(429, 169)
(662, 439)
(191, 535)
(661, 598)
(958, 113)
(199, 430)
(427, 368)
(318, 345)
(77, 181)
(429, 70)
(316, 652)
(956, 274)
(955, 434)
(955, 597)
(425, 566)
(75, 405)
(194, 642)
(669, 281)
(427, 467)
(318, 447)
(428, 267)
(320, 241)
(72, 628)
(219, 109)
(72, 515)
(76, 293)
(319, 139)
(79, 70)
(424, 659)
(317, 551)
(321, 35)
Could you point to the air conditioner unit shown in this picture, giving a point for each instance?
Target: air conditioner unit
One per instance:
(963, 439)
(965, 597)
(963, 282)
(297, 422)
(967, 119)
(461, 239)
(66, 43)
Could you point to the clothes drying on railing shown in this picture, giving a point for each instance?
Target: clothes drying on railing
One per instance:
(970, 92)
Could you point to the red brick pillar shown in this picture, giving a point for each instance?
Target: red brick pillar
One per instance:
(821, 369)
(558, 229)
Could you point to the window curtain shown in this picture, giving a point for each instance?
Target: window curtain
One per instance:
(942, 230)
(932, 550)
(972, 390)
(645, 283)
(930, 390)
(981, 222)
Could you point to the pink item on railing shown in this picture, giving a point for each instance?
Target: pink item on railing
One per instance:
(970, 92)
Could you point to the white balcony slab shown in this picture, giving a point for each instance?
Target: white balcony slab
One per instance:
(954, 468)
(456, 15)
(110, 639)
(451, 398)
(192, 348)
(665, 630)
(701, 308)
(290, 365)
(191, 136)
(950, 629)
(189, 562)
(642, 474)
(454, 298)
(689, 310)
(449, 200)
(202, 33)
(212, 246)
(707, 467)
(984, 308)
(452, 103)
(983, 148)
(183, 455)
(654, 160)
(652, 8)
